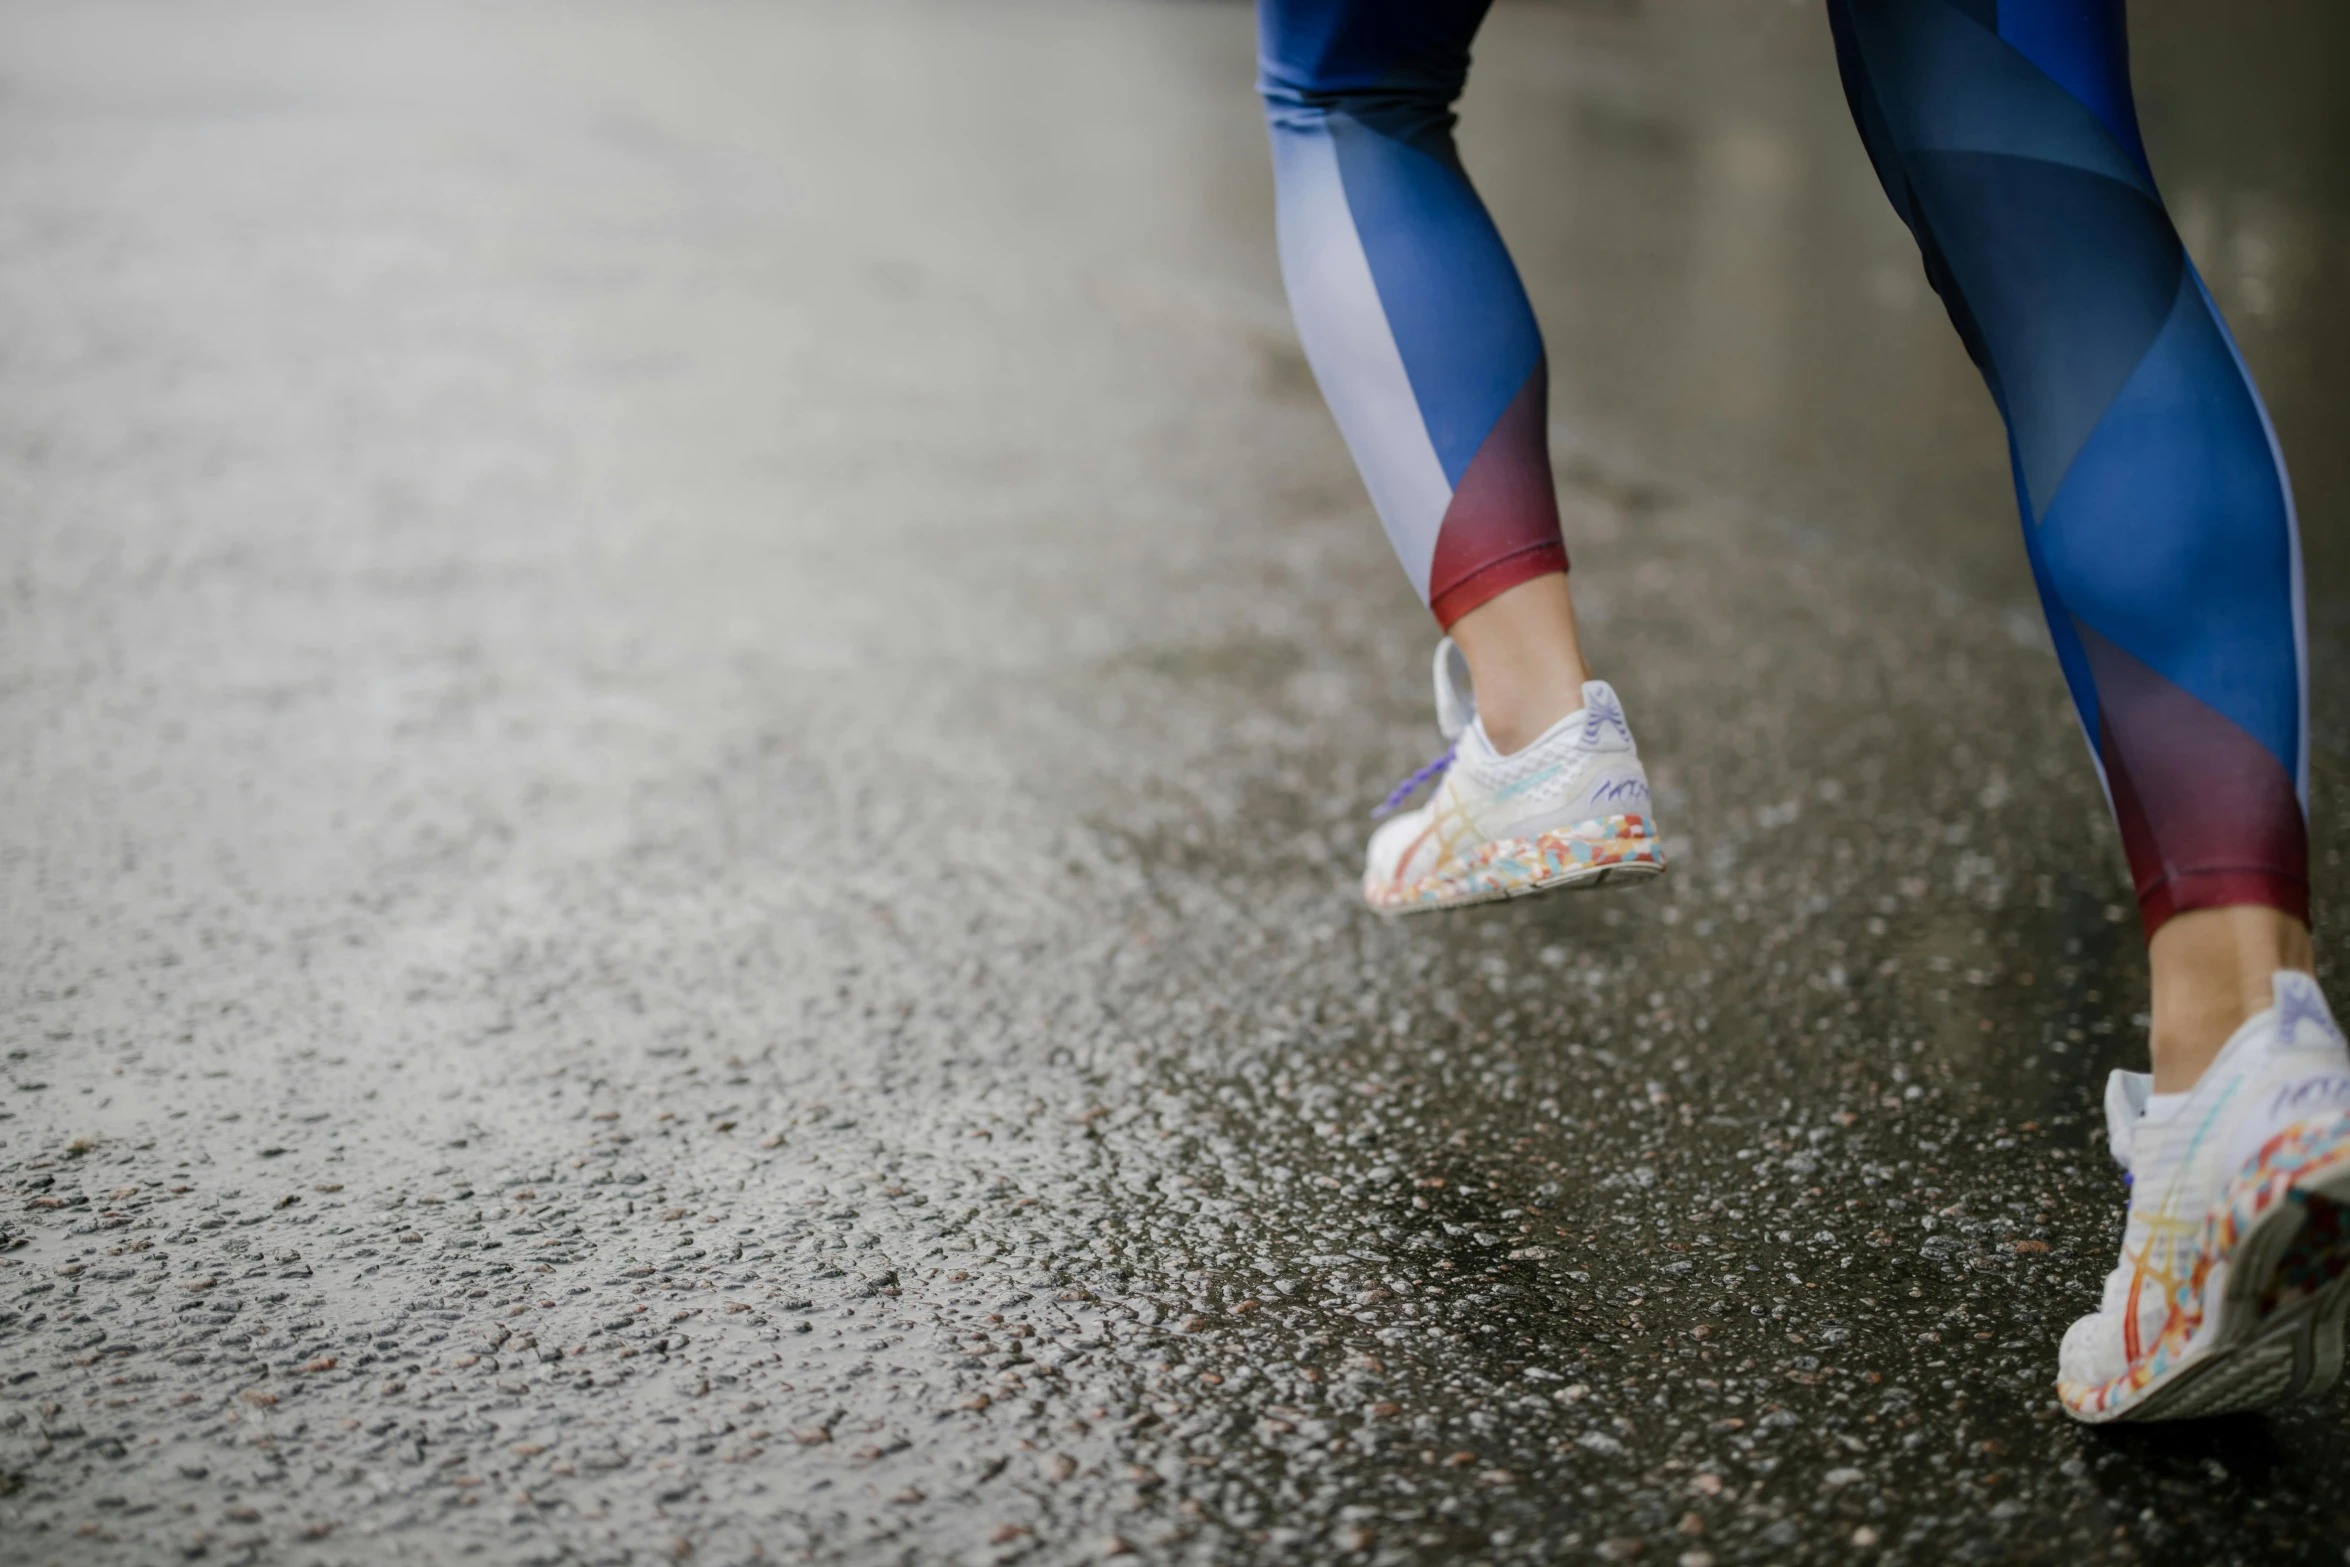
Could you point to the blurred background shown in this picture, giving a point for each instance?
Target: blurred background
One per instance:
(688, 694)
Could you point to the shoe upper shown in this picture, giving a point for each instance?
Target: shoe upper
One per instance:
(2286, 1065)
(1584, 767)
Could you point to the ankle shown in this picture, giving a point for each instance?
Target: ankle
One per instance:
(1524, 660)
(1525, 712)
(2214, 970)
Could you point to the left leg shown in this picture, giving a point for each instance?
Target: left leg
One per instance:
(2161, 534)
(1420, 334)
(1407, 303)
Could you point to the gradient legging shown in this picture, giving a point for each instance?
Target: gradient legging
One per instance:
(2156, 513)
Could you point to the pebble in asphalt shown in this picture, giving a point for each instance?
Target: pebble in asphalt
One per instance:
(689, 699)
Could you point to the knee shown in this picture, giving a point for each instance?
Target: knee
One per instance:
(1402, 62)
(1285, 89)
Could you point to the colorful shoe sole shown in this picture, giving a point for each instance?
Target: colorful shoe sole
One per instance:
(2262, 1317)
(1604, 852)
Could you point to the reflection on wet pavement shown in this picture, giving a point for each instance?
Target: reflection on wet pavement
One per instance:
(690, 707)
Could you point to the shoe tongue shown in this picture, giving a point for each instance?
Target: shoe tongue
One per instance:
(2126, 1094)
(1456, 700)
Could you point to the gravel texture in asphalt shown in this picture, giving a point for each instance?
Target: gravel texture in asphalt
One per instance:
(688, 695)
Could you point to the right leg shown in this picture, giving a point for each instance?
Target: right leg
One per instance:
(2160, 531)
(1421, 336)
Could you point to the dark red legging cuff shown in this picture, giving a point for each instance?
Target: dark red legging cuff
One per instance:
(2224, 888)
(1501, 527)
(1491, 581)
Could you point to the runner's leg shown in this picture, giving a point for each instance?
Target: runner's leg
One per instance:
(2156, 513)
(1419, 331)
(1420, 334)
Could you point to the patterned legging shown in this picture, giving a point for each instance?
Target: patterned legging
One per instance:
(2156, 513)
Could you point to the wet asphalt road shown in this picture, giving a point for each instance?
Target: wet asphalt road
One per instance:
(687, 697)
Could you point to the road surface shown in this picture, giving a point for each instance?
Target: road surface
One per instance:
(688, 694)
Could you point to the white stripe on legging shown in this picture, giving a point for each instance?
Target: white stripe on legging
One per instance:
(1348, 342)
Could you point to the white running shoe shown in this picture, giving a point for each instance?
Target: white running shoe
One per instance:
(2234, 1284)
(1570, 810)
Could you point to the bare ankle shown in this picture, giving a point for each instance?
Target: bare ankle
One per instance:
(1524, 659)
(2213, 970)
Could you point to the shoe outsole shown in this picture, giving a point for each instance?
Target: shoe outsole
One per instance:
(2276, 1283)
(1604, 852)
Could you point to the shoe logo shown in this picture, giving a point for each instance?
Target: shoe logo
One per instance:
(1620, 791)
(1449, 825)
(2161, 1262)
(2308, 1098)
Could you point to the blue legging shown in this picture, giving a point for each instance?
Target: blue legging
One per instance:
(2156, 513)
